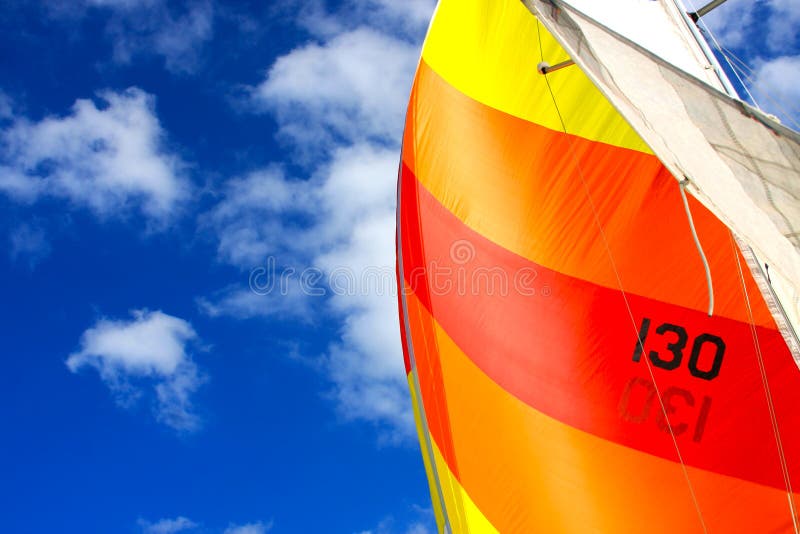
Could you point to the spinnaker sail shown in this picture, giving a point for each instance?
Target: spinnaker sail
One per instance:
(566, 371)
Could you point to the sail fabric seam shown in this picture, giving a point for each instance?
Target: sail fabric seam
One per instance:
(768, 395)
(754, 162)
(774, 305)
(625, 298)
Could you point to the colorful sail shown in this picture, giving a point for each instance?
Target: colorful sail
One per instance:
(565, 371)
(741, 164)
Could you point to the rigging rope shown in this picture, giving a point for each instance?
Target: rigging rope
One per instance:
(744, 73)
(788, 110)
(683, 185)
(707, 30)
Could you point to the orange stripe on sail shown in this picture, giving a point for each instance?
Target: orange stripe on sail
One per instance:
(521, 185)
(568, 348)
(527, 472)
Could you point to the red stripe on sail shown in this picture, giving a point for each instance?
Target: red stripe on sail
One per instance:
(567, 348)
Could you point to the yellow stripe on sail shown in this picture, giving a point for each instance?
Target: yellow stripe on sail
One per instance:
(426, 455)
(489, 50)
(463, 514)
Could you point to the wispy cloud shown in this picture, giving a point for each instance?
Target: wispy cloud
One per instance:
(260, 214)
(731, 24)
(176, 32)
(28, 243)
(783, 22)
(108, 156)
(157, 28)
(167, 526)
(764, 35)
(777, 87)
(406, 20)
(6, 106)
(249, 528)
(149, 350)
(285, 300)
(422, 524)
(183, 524)
(744, 24)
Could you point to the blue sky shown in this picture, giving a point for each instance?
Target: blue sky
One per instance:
(197, 208)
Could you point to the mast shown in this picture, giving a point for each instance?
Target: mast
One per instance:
(689, 21)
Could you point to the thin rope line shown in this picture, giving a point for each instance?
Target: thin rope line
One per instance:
(699, 248)
(706, 29)
(622, 290)
(747, 72)
(782, 106)
(767, 392)
(733, 69)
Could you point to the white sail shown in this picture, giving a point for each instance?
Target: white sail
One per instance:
(658, 26)
(739, 163)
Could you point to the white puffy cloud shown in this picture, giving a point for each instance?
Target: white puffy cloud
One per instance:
(347, 236)
(732, 22)
(346, 88)
(783, 23)
(167, 526)
(738, 23)
(340, 104)
(109, 158)
(777, 87)
(249, 528)
(764, 35)
(150, 348)
(251, 221)
(366, 365)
